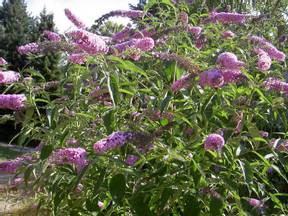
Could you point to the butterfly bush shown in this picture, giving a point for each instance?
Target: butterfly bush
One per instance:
(214, 142)
(264, 60)
(226, 17)
(276, 85)
(91, 43)
(228, 34)
(212, 77)
(74, 156)
(131, 160)
(75, 20)
(29, 48)
(228, 60)
(12, 101)
(272, 51)
(139, 144)
(13, 165)
(52, 36)
(114, 140)
(7, 77)
(77, 58)
(2, 61)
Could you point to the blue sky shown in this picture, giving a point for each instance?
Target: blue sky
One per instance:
(86, 10)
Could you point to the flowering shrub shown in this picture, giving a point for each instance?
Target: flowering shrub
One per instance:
(173, 118)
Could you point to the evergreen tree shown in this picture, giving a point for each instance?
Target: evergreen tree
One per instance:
(16, 28)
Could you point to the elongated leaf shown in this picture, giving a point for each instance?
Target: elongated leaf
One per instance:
(117, 187)
(109, 121)
(113, 87)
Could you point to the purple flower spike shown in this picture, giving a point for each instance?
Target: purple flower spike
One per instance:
(8, 77)
(214, 142)
(52, 36)
(75, 20)
(113, 141)
(228, 60)
(12, 101)
(28, 48)
(131, 160)
(75, 156)
(2, 61)
(213, 78)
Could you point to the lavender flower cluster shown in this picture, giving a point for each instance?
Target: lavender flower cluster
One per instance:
(90, 43)
(268, 47)
(75, 156)
(224, 17)
(75, 20)
(114, 140)
(7, 77)
(12, 165)
(228, 71)
(214, 142)
(12, 101)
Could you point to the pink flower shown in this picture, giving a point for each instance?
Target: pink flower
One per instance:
(224, 17)
(227, 34)
(264, 134)
(122, 35)
(183, 18)
(2, 61)
(264, 60)
(9, 77)
(131, 160)
(200, 42)
(272, 51)
(91, 43)
(114, 140)
(72, 142)
(28, 48)
(214, 142)
(144, 44)
(12, 101)
(213, 78)
(17, 181)
(228, 60)
(275, 84)
(144, 33)
(78, 23)
(100, 205)
(232, 76)
(75, 156)
(128, 13)
(77, 58)
(52, 36)
(195, 30)
(79, 188)
(12, 165)
(255, 202)
(183, 82)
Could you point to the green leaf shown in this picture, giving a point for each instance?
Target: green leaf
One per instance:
(192, 206)
(46, 151)
(109, 120)
(165, 103)
(140, 204)
(113, 87)
(117, 187)
(128, 65)
(216, 206)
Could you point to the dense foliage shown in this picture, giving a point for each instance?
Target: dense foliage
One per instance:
(179, 118)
